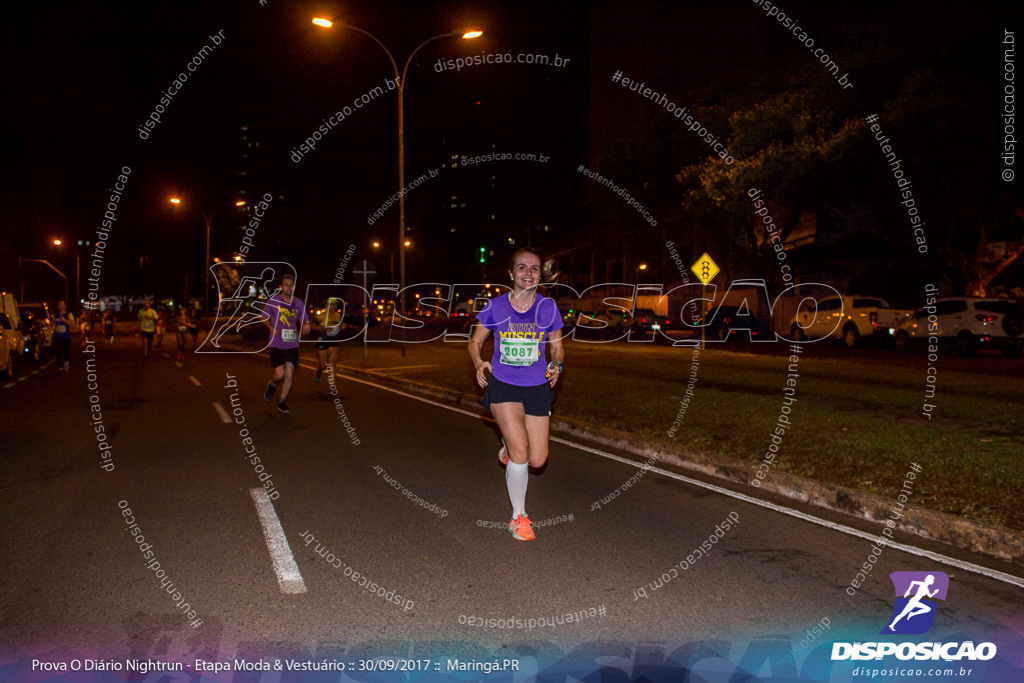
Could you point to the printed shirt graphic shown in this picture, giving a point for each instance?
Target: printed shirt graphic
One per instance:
(915, 608)
(147, 320)
(287, 319)
(520, 339)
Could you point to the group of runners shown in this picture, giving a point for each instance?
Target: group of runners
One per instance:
(153, 325)
(519, 379)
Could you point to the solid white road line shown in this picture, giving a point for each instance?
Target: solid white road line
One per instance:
(224, 417)
(288, 576)
(913, 550)
(400, 368)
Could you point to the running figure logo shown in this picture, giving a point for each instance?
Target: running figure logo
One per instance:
(913, 613)
(244, 290)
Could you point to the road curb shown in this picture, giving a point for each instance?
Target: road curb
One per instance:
(987, 539)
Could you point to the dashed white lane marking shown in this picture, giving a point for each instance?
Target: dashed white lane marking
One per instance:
(288, 576)
(913, 550)
(9, 385)
(22, 378)
(195, 381)
(224, 417)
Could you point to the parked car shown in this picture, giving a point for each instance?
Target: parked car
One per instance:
(847, 318)
(11, 346)
(724, 320)
(33, 336)
(43, 318)
(644, 320)
(966, 324)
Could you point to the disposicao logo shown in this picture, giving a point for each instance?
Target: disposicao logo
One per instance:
(914, 613)
(915, 608)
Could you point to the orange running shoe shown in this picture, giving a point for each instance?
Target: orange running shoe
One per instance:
(521, 528)
(503, 453)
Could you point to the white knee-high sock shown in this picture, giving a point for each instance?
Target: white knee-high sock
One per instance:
(516, 478)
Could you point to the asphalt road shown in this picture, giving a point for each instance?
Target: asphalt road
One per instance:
(75, 580)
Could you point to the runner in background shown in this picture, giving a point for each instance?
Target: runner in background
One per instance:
(147, 327)
(285, 315)
(85, 320)
(182, 323)
(194, 330)
(108, 326)
(63, 323)
(328, 325)
(161, 326)
(526, 325)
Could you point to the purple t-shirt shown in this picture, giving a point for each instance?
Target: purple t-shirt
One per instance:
(287, 319)
(520, 339)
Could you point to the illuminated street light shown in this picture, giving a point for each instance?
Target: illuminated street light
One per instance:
(207, 218)
(327, 23)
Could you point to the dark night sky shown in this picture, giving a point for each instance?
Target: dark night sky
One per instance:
(80, 78)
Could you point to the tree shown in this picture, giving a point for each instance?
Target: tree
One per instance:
(790, 148)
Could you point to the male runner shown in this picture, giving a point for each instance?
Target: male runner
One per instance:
(284, 315)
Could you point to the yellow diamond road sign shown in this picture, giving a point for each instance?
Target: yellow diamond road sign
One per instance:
(705, 269)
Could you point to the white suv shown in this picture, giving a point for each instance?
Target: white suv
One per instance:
(967, 324)
(849, 318)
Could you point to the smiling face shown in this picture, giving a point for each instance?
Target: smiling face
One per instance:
(526, 271)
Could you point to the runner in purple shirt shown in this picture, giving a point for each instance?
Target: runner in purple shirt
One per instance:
(284, 315)
(527, 327)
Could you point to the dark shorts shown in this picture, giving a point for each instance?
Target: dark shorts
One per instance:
(148, 335)
(324, 344)
(282, 356)
(536, 400)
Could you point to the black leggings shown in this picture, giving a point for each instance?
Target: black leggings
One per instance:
(63, 348)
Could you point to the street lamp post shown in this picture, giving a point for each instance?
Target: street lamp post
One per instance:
(208, 219)
(43, 261)
(326, 23)
(391, 258)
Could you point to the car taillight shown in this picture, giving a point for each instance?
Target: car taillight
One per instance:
(981, 317)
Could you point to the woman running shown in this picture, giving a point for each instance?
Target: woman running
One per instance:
(526, 326)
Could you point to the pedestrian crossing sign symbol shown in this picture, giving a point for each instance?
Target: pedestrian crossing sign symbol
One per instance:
(705, 269)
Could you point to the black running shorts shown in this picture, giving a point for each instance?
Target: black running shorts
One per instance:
(282, 356)
(536, 399)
